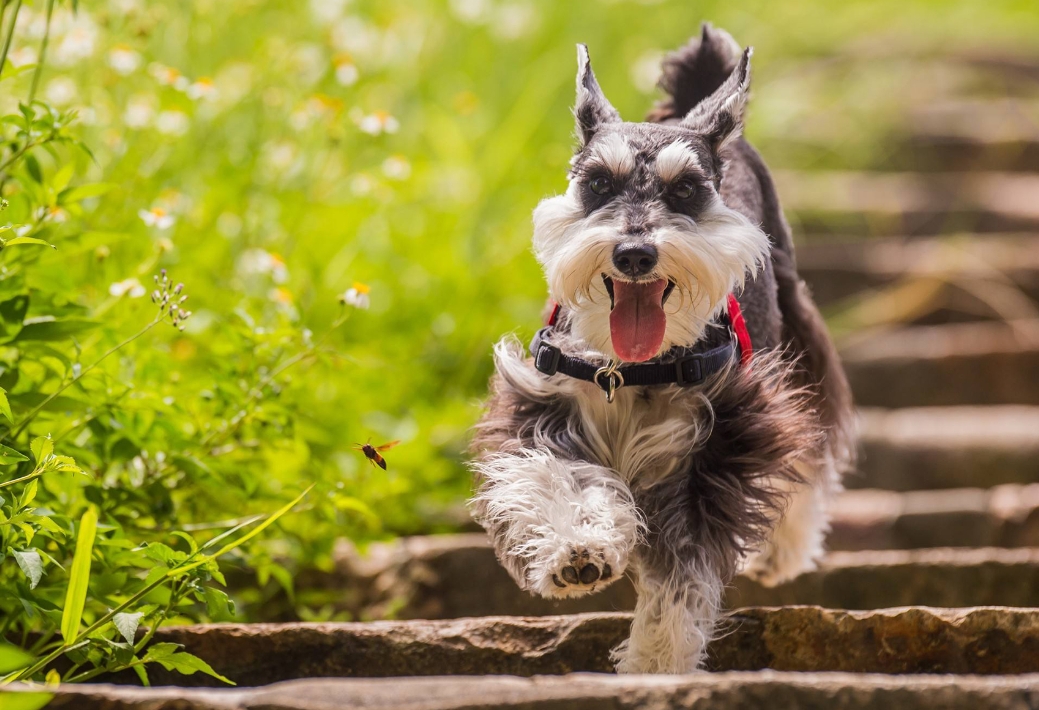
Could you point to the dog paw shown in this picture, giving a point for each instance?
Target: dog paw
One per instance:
(574, 570)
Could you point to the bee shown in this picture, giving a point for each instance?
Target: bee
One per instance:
(373, 453)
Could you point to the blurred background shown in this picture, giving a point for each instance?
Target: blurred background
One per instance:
(344, 188)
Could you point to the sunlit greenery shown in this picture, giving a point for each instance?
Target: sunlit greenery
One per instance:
(341, 190)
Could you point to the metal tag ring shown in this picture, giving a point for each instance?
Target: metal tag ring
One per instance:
(615, 380)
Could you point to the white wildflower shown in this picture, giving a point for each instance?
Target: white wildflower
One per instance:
(168, 76)
(129, 287)
(60, 91)
(172, 122)
(346, 71)
(139, 112)
(78, 42)
(123, 60)
(396, 167)
(471, 11)
(361, 185)
(55, 214)
(356, 296)
(278, 155)
(514, 20)
(157, 217)
(328, 10)
(378, 122)
(22, 56)
(356, 36)
(202, 88)
(252, 262)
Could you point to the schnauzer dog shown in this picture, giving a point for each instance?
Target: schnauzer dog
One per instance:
(684, 416)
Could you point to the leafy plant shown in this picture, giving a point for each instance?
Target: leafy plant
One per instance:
(90, 550)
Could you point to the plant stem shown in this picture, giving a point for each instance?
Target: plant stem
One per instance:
(46, 660)
(50, 398)
(43, 53)
(257, 391)
(173, 574)
(94, 672)
(10, 36)
(28, 477)
(41, 643)
(17, 154)
(175, 593)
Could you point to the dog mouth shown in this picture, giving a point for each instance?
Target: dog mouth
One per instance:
(637, 318)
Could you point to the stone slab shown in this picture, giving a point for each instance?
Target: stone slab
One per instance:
(724, 691)
(924, 448)
(425, 580)
(873, 579)
(838, 269)
(946, 365)
(823, 203)
(1003, 516)
(988, 641)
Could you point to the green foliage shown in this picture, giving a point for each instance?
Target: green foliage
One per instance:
(86, 485)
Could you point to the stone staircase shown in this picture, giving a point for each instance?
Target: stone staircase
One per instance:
(929, 597)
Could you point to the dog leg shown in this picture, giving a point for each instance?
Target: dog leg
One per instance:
(675, 617)
(561, 528)
(798, 541)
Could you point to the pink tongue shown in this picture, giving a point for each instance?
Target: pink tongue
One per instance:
(637, 321)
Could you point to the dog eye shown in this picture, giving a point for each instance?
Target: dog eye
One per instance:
(600, 185)
(683, 189)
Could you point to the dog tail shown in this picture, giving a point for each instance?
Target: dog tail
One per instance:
(692, 73)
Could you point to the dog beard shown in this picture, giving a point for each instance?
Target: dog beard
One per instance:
(700, 262)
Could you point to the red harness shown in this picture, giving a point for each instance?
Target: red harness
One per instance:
(739, 326)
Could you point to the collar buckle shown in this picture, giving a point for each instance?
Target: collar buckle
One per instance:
(546, 359)
(694, 375)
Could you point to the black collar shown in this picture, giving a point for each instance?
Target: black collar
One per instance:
(678, 366)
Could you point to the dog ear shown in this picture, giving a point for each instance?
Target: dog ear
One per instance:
(592, 109)
(719, 117)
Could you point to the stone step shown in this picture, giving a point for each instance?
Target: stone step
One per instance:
(721, 691)
(823, 203)
(874, 579)
(454, 576)
(989, 641)
(984, 274)
(942, 135)
(1004, 516)
(972, 134)
(946, 447)
(941, 365)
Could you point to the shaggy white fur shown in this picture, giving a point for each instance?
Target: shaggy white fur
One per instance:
(707, 259)
(674, 160)
(557, 513)
(675, 619)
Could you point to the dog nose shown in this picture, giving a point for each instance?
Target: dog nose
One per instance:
(635, 261)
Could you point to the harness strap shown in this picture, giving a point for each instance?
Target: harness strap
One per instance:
(739, 326)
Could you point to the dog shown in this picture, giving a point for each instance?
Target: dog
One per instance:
(684, 417)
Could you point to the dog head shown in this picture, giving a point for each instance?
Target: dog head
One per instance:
(641, 249)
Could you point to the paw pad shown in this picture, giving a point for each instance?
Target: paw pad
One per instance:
(582, 570)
